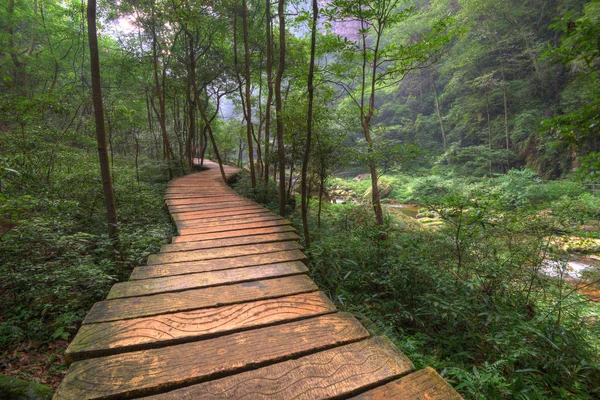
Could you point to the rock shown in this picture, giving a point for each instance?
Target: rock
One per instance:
(12, 388)
(384, 191)
(360, 177)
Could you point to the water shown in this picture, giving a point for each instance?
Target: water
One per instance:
(410, 210)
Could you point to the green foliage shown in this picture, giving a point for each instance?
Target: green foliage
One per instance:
(470, 297)
(55, 258)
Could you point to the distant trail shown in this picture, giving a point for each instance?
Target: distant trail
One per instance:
(227, 312)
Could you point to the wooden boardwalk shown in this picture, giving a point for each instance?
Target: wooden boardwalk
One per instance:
(227, 312)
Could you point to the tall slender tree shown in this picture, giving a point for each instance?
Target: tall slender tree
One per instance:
(279, 106)
(109, 196)
(309, 122)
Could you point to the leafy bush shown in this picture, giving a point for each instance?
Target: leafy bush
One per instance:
(55, 257)
(469, 298)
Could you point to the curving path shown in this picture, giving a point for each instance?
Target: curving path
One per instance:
(227, 312)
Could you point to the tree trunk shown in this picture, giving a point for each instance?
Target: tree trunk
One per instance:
(109, 196)
(439, 113)
(249, 126)
(269, 88)
(366, 120)
(161, 101)
(321, 191)
(279, 106)
(505, 116)
(191, 97)
(207, 123)
(309, 117)
(489, 126)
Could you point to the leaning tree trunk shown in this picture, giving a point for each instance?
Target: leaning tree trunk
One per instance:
(109, 196)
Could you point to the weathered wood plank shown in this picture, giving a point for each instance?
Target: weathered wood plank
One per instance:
(179, 283)
(231, 205)
(135, 307)
(222, 228)
(183, 219)
(204, 200)
(200, 195)
(189, 217)
(224, 252)
(107, 338)
(192, 267)
(156, 370)
(231, 234)
(216, 214)
(237, 241)
(195, 223)
(423, 384)
(333, 373)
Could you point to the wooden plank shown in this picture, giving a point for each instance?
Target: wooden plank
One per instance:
(107, 338)
(179, 283)
(222, 228)
(213, 194)
(237, 241)
(223, 252)
(217, 213)
(197, 223)
(201, 219)
(192, 267)
(208, 191)
(218, 204)
(231, 234)
(157, 370)
(202, 190)
(231, 205)
(423, 384)
(334, 373)
(205, 200)
(135, 307)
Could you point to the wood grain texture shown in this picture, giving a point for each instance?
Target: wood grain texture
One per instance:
(235, 227)
(192, 267)
(196, 223)
(107, 338)
(179, 283)
(155, 370)
(240, 202)
(186, 217)
(425, 384)
(216, 214)
(199, 194)
(232, 205)
(204, 200)
(134, 307)
(231, 234)
(226, 242)
(332, 373)
(224, 252)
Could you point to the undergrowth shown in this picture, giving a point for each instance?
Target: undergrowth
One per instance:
(56, 260)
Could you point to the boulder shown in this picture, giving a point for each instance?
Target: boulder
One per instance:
(384, 191)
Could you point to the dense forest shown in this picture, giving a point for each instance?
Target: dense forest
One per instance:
(441, 159)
